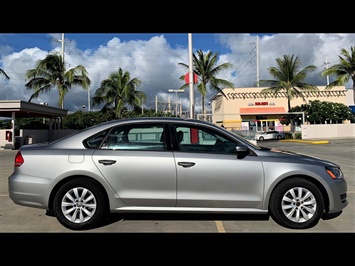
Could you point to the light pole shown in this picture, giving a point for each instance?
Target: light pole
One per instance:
(176, 103)
(191, 78)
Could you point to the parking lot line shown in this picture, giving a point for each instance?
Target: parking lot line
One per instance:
(220, 227)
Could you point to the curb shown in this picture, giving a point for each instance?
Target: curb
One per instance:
(306, 141)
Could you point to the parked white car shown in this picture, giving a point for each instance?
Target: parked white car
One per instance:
(267, 135)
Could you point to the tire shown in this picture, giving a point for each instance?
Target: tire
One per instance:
(261, 138)
(279, 137)
(296, 204)
(91, 211)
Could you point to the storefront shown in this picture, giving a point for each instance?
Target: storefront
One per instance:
(249, 109)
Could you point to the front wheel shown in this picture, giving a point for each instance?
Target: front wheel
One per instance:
(296, 204)
(79, 205)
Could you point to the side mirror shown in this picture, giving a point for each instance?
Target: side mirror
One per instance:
(242, 151)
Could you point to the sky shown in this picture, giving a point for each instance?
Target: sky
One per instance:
(154, 59)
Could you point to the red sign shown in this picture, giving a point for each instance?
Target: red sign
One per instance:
(261, 103)
(187, 78)
(194, 135)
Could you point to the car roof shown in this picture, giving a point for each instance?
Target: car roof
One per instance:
(154, 119)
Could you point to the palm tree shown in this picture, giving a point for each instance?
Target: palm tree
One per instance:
(344, 71)
(204, 66)
(3, 73)
(119, 91)
(288, 77)
(50, 72)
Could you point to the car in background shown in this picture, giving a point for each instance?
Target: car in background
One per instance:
(172, 165)
(268, 135)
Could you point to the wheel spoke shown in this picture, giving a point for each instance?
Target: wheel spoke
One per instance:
(299, 204)
(79, 205)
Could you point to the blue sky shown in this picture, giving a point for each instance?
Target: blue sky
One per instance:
(18, 41)
(154, 58)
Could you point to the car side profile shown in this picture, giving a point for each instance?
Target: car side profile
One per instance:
(165, 164)
(268, 135)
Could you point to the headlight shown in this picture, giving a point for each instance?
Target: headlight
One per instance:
(334, 172)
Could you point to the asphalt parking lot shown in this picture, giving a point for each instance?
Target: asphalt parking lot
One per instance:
(19, 219)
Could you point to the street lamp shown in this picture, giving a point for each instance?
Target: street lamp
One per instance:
(176, 105)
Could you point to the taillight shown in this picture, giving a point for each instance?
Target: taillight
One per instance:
(19, 159)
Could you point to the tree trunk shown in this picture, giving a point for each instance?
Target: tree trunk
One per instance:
(203, 106)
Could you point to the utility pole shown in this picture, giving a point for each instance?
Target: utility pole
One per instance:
(62, 54)
(62, 41)
(255, 57)
(89, 106)
(257, 61)
(156, 103)
(63, 47)
(176, 100)
(191, 79)
(63, 61)
(326, 67)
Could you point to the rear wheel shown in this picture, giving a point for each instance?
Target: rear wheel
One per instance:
(80, 205)
(297, 204)
(279, 137)
(261, 138)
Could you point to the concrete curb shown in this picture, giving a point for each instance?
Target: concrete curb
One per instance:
(306, 141)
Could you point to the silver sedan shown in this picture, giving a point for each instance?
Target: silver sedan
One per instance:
(172, 165)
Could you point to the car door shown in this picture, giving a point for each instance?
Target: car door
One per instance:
(209, 174)
(276, 134)
(138, 166)
(269, 135)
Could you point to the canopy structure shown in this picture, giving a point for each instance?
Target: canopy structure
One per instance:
(11, 138)
(20, 109)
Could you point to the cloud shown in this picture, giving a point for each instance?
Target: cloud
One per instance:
(155, 63)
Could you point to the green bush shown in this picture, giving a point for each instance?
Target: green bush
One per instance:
(298, 135)
(288, 135)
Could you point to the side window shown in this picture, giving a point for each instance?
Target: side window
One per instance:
(196, 139)
(138, 137)
(95, 141)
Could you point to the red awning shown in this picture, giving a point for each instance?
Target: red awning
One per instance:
(262, 110)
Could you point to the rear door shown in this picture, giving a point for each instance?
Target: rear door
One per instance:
(139, 166)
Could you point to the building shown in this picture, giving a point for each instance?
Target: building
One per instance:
(14, 137)
(248, 109)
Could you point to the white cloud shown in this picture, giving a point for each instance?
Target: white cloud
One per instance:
(155, 63)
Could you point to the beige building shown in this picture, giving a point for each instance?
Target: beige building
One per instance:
(248, 109)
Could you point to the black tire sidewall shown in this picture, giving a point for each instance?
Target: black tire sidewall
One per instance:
(276, 203)
(99, 214)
